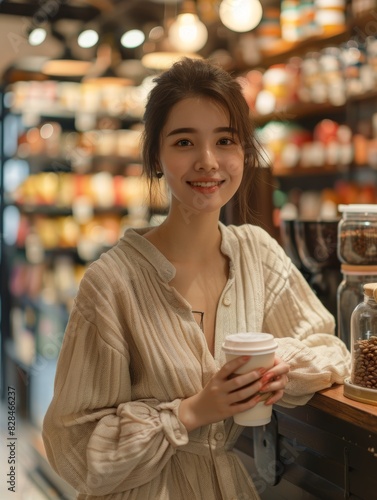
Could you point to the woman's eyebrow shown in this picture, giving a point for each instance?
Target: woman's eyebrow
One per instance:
(188, 130)
(183, 130)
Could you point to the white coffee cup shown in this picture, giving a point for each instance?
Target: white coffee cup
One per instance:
(261, 347)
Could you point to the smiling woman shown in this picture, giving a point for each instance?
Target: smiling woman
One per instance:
(203, 158)
(215, 87)
(144, 397)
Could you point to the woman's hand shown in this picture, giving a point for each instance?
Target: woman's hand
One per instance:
(274, 381)
(228, 393)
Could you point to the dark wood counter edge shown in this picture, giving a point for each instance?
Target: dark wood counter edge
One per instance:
(334, 402)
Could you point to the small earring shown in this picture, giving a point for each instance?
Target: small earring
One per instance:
(159, 175)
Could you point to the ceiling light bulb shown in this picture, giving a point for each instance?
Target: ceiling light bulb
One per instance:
(240, 15)
(188, 33)
(87, 39)
(37, 36)
(132, 38)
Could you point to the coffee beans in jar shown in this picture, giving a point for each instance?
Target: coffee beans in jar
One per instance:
(364, 371)
(357, 235)
(364, 340)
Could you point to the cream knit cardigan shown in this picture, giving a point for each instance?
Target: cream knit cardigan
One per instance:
(133, 350)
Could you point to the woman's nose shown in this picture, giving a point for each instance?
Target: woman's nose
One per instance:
(206, 160)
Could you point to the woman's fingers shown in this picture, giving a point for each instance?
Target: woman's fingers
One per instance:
(274, 382)
(274, 397)
(232, 366)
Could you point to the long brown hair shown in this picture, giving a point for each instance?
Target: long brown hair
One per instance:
(197, 77)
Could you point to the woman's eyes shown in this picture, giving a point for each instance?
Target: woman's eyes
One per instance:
(224, 141)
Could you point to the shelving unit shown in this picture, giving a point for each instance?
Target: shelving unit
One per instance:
(355, 110)
(71, 200)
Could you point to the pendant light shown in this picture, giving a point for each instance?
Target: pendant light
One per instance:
(240, 15)
(103, 71)
(187, 33)
(66, 66)
(159, 52)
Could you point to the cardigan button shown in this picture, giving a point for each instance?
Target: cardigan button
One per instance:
(227, 301)
(219, 436)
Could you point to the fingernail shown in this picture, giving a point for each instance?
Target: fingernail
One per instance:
(262, 370)
(246, 358)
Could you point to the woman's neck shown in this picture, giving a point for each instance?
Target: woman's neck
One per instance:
(187, 237)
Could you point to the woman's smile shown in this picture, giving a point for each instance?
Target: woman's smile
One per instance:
(206, 185)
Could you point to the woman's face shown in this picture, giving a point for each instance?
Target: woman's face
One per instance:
(200, 155)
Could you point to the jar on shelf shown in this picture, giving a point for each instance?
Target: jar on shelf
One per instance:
(362, 385)
(349, 294)
(330, 16)
(357, 235)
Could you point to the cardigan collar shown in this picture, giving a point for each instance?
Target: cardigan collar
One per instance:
(166, 271)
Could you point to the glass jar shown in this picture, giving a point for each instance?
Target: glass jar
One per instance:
(364, 340)
(357, 235)
(349, 294)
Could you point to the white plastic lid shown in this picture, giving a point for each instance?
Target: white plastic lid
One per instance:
(249, 343)
(358, 209)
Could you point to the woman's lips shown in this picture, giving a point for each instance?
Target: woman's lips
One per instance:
(206, 187)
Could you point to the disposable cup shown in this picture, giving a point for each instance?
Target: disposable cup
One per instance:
(261, 347)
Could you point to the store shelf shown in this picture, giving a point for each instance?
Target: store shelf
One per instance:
(299, 111)
(282, 50)
(68, 117)
(310, 171)
(56, 211)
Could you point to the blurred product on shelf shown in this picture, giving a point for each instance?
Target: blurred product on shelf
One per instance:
(53, 97)
(297, 20)
(290, 145)
(330, 16)
(100, 190)
(360, 7)
(268, 30)
(329, 75)
(323, 204)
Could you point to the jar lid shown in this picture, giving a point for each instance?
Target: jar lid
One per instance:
(350, 269)
(362, 208)
(370, 289)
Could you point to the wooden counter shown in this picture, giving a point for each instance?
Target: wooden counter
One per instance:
(325, 450)
(335, 403)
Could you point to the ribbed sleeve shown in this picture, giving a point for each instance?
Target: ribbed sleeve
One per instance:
(95, 437)
(304, 329)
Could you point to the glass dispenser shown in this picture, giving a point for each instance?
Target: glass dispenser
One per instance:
(357, 235)
(349, 294)
(362, 386)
